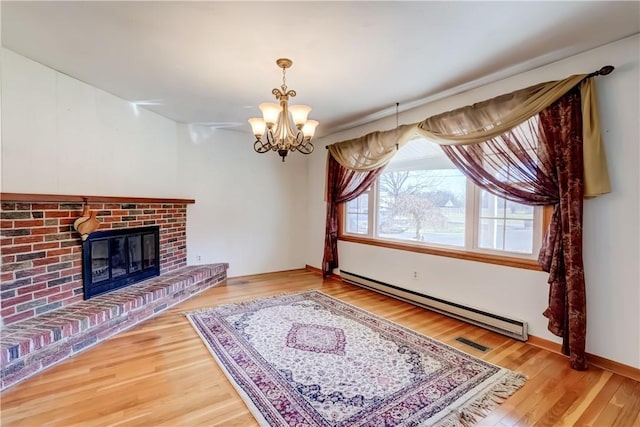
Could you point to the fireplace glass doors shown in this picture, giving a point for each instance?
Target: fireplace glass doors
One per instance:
(112, 259)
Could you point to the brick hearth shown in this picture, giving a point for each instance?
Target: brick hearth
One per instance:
(32, 345)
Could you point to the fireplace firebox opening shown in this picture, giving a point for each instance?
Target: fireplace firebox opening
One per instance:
(113, 259)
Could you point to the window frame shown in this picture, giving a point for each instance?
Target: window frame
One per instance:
(541, 222)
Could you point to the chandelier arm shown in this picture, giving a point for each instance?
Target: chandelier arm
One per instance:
(259, 147)
(306, 148)
(272, 140)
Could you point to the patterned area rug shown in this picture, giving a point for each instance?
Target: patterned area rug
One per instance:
(308, 359)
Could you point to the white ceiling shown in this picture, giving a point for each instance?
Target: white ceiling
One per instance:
(214, 62)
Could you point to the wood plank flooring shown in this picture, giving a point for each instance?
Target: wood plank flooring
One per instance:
(160, 373)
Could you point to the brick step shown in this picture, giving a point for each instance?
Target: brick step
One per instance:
(31, 345)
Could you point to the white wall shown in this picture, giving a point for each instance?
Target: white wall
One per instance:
(63, 136)
(250, 210)
(612, 222)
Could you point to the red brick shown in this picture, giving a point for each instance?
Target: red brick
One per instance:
(71, 271)
(44, 230)
(111, 219)
(46, 277)
(5, 277)
(7, 311)
(57, 214)
(30, 272)
(6, 224)
(10, 302)
(43, 206)
(27, 239)
(20, 316)
(16, 249)
(62, 251)
(71, 286)
(46, 261)
(66, 221)
(32, 288)
(46, 292)
(28, 223)
(47, 245)
(6, 241)
(59, 296)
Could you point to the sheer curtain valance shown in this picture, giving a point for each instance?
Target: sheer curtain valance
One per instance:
(373, 150)
(485, 120)
(488, 119)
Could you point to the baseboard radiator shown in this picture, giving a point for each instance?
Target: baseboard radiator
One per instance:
(510, 327)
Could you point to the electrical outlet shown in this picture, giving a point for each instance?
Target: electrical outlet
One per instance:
(198, 258)
(415, 275)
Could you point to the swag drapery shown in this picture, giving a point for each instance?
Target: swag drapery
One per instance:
(538, 146)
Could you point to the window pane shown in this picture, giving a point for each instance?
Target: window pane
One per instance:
(516, 210)
(422, 197)
(505, 225)
(519, 236)
(491, 234)
(357, 212)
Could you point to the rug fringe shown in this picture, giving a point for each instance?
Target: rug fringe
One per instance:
(479, 407)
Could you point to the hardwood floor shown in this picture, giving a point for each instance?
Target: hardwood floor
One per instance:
(160, 373)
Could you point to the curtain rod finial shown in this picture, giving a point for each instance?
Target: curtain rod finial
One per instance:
(607, 69)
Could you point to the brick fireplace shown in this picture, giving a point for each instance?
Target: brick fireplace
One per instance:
(42, 253)
(44, 315)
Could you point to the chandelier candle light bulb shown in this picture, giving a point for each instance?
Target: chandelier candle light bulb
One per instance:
(274, 132)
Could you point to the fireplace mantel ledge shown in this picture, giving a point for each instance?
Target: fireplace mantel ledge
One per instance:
(31, 198)
(32, 345)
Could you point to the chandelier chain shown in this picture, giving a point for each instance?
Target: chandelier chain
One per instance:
(284, 80)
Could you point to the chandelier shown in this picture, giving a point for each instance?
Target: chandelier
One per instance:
(274, 131)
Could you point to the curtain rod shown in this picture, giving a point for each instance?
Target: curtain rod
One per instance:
(606, 70)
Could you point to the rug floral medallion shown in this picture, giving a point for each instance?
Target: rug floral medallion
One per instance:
(308, 359)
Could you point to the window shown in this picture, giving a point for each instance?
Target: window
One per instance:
(423, 202)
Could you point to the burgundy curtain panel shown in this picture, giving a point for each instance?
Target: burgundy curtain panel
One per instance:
(540, 163)
(343, 185)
